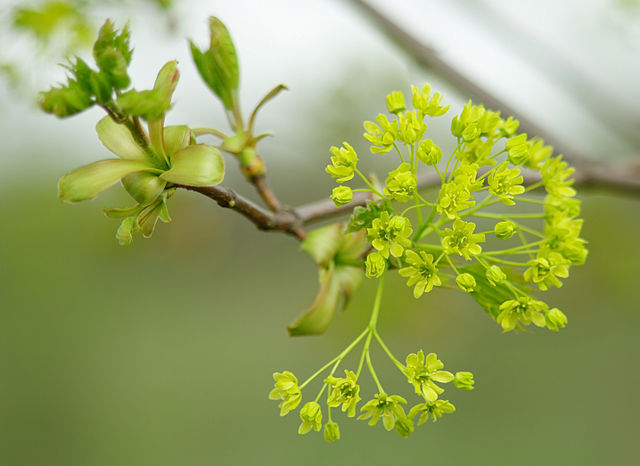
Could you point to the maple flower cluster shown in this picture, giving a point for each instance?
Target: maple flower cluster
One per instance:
(504, 223)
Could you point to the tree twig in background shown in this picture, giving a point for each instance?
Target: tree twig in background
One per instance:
(592, 175)
(430, 59)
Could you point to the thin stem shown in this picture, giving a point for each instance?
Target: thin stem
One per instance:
(372, 323)
(534, 186)
(373, 374)
(502, 261)
(515, 250)
(398, 364)
(366, 181)
(455, 269)
(506, 216)
(446, 168)
(532, 201)
(338, 358)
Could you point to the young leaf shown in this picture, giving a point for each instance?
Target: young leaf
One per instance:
(218, 66)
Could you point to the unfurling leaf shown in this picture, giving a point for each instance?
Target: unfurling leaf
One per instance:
(218, 66)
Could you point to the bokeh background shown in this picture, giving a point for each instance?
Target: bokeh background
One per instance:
(161, 353)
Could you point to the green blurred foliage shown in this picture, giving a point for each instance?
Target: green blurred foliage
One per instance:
(162, 353)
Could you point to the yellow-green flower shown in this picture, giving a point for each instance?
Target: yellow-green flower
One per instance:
(390, 234)
(461, 239)
(422, 372)
(524, 310)
(343, 162)
(421, 272)
(435, 409)
(344, 391)
(311, 416)
(286, 389)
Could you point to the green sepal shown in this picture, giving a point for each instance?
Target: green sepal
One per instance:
(218, 66)
(124, 234)
(316, 318)
(90, 180)
(121, 212)
(148, 218)
(144, 187)
(340, 274)
(196, 165)
(118, 139)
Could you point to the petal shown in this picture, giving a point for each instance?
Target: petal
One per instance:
(442, 376)
(429, 393)
(196, 165)
(87, 182)
(118, 139)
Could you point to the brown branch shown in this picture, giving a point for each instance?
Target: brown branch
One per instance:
(284, 221)
(619, 180)
(265, 192)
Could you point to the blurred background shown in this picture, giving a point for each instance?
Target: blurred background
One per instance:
(161, 353)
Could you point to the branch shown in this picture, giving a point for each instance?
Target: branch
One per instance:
(620, 180)
(285, 221)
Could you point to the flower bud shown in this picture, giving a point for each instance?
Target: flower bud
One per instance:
(504, 230)
(471, 133)
(429, 153)
(463, 380)
(395, 102)
(342, 195)
(375, 265)
(518, 149)
(331, 432)
(466, 282)
(495, 275)
(555, 319)
(404, 426)
(311, 415)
